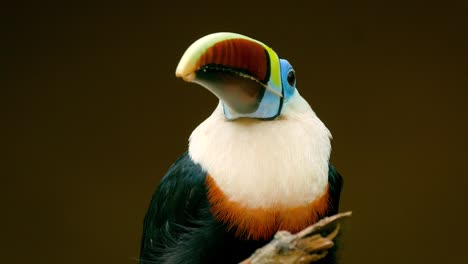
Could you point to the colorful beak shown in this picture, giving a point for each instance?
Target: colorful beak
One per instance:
(236, 68)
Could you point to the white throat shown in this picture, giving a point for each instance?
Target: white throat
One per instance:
(265, 164)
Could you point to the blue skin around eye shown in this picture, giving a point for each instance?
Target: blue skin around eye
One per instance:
(271, 103)
(288, 90)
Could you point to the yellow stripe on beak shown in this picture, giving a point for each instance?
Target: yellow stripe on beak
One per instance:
(236, 52)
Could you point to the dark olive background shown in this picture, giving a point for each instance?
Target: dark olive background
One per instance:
(92, 116)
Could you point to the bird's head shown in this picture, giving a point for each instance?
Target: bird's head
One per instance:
(246, 75)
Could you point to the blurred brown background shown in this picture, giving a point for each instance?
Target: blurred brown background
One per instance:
(92, 116)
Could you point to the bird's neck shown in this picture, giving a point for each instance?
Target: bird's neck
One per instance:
(266, 164)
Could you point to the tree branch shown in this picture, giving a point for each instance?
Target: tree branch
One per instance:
(307, 246)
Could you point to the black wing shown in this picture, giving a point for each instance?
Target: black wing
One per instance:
(178, 221)
(335, 181)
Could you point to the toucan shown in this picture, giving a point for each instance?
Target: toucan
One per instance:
(257, 165)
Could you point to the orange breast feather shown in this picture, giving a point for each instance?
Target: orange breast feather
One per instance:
(263, 223)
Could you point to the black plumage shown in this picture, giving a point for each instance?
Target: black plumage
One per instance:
(179, 228)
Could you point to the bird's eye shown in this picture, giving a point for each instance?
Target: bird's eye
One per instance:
(291, 78)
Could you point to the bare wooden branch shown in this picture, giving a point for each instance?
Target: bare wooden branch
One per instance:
(307, 246)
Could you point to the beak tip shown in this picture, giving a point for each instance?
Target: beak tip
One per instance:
(185, 75)
(188, 77)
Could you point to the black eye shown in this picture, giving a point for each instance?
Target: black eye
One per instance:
(291, 78)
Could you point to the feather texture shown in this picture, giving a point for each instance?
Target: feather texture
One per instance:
(179, 227)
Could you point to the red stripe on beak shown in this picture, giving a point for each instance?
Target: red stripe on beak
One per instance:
(239, 54)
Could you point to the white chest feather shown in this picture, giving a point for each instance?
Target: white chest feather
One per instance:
(265, 164)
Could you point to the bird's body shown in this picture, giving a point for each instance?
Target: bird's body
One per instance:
(242, 180)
